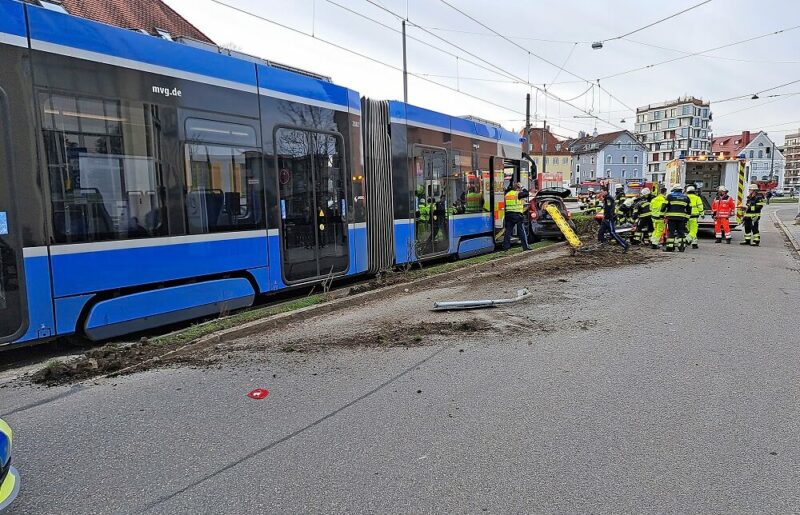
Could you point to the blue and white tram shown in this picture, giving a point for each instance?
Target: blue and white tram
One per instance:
(145, 181)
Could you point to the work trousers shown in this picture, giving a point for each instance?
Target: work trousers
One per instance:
(722, 227)
(676, 234)
(607, 228)
(644, 227)
(515, 220)
(751, 233)
(658, 231)
(692, 226)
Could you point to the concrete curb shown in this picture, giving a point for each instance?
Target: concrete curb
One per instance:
(786, 231)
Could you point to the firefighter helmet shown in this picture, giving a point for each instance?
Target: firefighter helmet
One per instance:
(722, 188)
(645, 191)
(591, 190)
(752, 187)
(677, 187)
(689, 189)
(628, 202)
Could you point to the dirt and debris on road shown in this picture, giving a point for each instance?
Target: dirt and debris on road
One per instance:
(391, 318)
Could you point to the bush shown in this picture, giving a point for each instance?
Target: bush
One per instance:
(584, 224)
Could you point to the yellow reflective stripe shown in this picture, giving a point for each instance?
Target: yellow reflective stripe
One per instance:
(5, 428)
(9, 488)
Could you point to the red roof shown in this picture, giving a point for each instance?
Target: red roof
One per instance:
(554, 145)
(148, 15)
(731, 146)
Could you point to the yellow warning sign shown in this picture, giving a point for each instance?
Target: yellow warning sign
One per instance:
(562, 224)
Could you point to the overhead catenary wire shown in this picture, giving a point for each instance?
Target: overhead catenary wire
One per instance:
(749, 95)
(505, 72)
(721, 57)
(529, 51)
(657, 22)
(361, 55)
(693, 54)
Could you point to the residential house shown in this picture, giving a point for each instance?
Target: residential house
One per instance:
(552, 158)
(763, 160)
(615, 155)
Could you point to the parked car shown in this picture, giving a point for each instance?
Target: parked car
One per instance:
(542, 225)
(9, 478)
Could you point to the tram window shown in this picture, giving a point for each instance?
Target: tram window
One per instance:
(223, 189)
(104, 176)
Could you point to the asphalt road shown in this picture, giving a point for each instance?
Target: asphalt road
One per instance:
(669, 386)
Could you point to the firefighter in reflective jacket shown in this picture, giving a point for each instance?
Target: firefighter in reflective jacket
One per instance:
(658, 217)
(752, 214)
(514, 216)
(676, 211)
(642, 217)
(693, 225)
(722, 209)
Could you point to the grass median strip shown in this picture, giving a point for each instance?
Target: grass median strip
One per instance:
(121, 358)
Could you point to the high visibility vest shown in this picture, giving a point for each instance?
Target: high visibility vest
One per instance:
(474, 202)
(676, 206)
(723, 207)
(424, 212)
(655, 207)
(697, 205)
(513, 203)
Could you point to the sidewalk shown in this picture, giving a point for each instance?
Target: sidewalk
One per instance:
(785, 218)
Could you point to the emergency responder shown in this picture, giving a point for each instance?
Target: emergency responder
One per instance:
(693, 225)
(722, 209)
(619, 206)
(676, 211)
(642, 217)
(514, 216)
(607, 225)
(473, 200)
(590, 204)
(658, 217)
(752, 214)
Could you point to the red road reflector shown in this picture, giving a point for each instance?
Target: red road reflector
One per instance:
(258, 393)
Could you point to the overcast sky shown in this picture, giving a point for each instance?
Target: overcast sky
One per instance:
(548, 29)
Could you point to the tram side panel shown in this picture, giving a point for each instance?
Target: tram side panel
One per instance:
(154, 177)
(26, 310)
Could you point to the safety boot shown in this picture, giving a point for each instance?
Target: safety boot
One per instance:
(718, 240)
(728, 240)
(695, 246)
(745, 242)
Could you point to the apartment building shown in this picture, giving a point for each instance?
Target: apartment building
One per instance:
(672, 128)
(792, 155)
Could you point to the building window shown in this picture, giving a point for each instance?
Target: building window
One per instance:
(636, 160)
(687, 110)
(592, 159)
(760, 154)
(609, 160)
(673, 112)
(751, 154)
(624, 159)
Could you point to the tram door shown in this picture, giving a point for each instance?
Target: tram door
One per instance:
(11, 280)
(505, 173)
(432, 218)
(313, 203)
